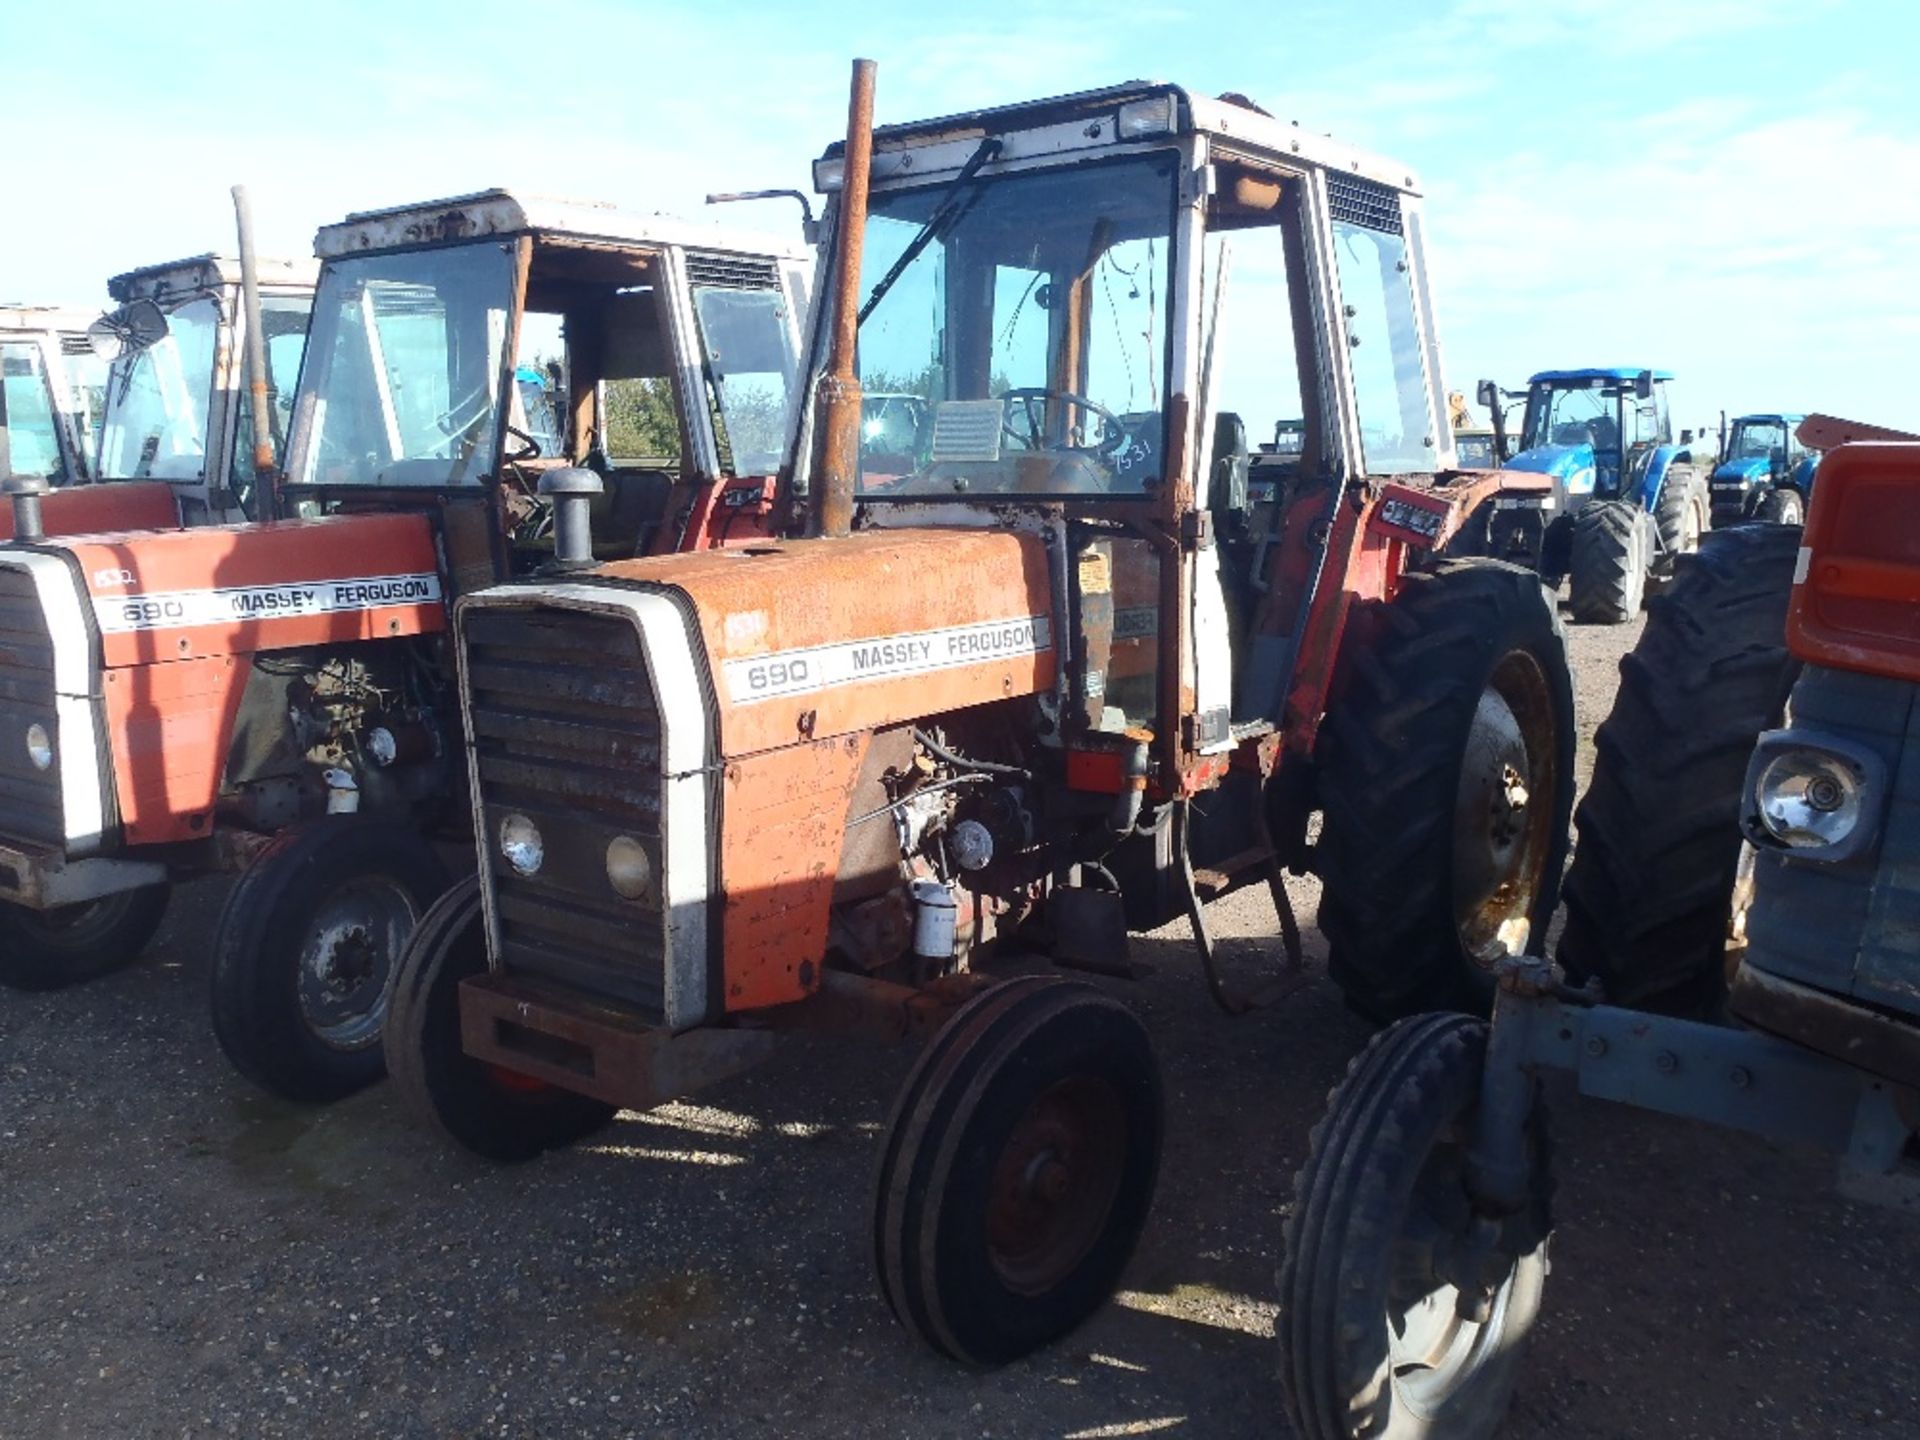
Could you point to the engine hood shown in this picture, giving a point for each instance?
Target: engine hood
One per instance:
(1569, 466)
(1749, 471)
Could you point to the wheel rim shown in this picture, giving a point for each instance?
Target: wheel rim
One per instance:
(347, 963)
(1690, 531)
(1503, 812)
(1433, 1351)
(1055, 1183)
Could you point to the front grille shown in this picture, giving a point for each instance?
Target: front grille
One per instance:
(733, 272)
(566, 732)
(30, 800)
(1365, 203)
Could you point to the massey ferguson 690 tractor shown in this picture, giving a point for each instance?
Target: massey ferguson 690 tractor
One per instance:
(1066, 661)
(1417, 1250)
(50, 389)
(1625, 501)
(276, 694)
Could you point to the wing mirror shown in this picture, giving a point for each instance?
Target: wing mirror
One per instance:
(1643, 385)
(138, 325)
(1488, 394)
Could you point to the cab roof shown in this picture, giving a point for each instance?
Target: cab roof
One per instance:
(1088, 120)
(1767, 418)
(462, 218)
(1605, 372)
(207, 272)
(39, 319)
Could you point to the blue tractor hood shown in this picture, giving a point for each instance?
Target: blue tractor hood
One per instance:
(1570, 465)
(1750, 471)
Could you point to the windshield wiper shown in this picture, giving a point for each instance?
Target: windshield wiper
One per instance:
(943, 216)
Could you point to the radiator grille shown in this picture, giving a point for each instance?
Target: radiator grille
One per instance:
(733, 272)
(566, 732)
(1365, 203)
(30, 800)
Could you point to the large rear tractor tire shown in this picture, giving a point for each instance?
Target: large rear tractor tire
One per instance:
(500, 1114)
(69, 944)
(1781, 505)
(305, 953)
(1372, 1341)
(1018, 1169)
(1446, 779)
(1612, 548)
(1679, 518)
(1650, 893)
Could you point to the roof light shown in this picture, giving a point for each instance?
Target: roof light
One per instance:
(828, 174)
(1141, 118)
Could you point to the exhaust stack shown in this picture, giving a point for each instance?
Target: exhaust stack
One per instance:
(836, 428)
(25, 492)
(256, 347)
(572, 490)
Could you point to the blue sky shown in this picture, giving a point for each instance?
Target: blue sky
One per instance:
(1727, 188)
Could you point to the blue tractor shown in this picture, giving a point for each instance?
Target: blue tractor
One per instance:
(1765, 471)
(1626, 501)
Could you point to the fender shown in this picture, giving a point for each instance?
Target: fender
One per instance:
(1654, 478)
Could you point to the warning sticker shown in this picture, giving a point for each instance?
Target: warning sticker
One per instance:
(884, 657)
(186, 609)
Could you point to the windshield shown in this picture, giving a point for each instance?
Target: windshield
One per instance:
(1574, 413)
(155, 427)
(1757, 440)
(749, 355)
(1024, 349)
(407, 358)
(1389, 373)
(33, 440)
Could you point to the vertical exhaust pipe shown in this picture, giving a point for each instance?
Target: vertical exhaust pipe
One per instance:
(836, 426)
(263, 465)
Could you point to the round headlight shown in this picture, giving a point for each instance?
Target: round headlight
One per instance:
(1807, 799)
(520, 844)
(629, 870)
(39, 747)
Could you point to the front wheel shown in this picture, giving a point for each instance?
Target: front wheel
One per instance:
(1446, 783)
(1018, 1169)
(501, 1114)
(51, 949)
(1781, 505)
(1375, 1338)
(1679, 517)
(305, 952)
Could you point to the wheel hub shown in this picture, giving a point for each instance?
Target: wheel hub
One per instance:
(1054, 1182)
(347, 963)
(1499, 834)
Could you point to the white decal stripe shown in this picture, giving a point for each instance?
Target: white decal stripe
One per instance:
(884, 657)
(77, 745)
(185, 609)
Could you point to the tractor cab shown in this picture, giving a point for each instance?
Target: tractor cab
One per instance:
(1588, 428)
(175, 408)
(1760, 456)
(53, 387)
(462, 349)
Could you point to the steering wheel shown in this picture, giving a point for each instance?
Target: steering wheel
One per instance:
(532, 450)
(1111, 442)
(462, 415)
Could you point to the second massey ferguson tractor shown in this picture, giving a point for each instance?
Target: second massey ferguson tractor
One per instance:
(274, 696)
(1064, 662)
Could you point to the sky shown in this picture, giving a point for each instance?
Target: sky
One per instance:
(1728, 189)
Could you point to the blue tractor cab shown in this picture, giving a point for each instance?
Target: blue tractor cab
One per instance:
(1626, 500)
(1765, 471)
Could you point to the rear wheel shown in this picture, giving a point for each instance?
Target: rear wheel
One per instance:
(1373, 1338)
(1018, 1169)
(1612, 543)
(1446, 780)
(1781, 505)
(1679, 517)
(1651, 891)
(498, 1113)
(49, 949)
(305, 952)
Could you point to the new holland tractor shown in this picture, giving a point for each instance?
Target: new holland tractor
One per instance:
(1065, 661)
(1762, 869)
(1625, 501)
(1765, 471)
(274, 696)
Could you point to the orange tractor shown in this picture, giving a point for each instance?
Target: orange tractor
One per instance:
(1072, 659)
(167, 423)
(273, 696)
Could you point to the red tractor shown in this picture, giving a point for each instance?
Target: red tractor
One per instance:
(273, 696)
(1051, 655)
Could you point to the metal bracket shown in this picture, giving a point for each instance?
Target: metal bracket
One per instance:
(1292, 975)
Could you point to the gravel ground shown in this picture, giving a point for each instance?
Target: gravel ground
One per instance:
(181, 1257)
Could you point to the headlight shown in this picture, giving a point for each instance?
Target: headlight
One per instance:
(520, 844)
(39, 747)
(1816, 795)
(629, 870)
